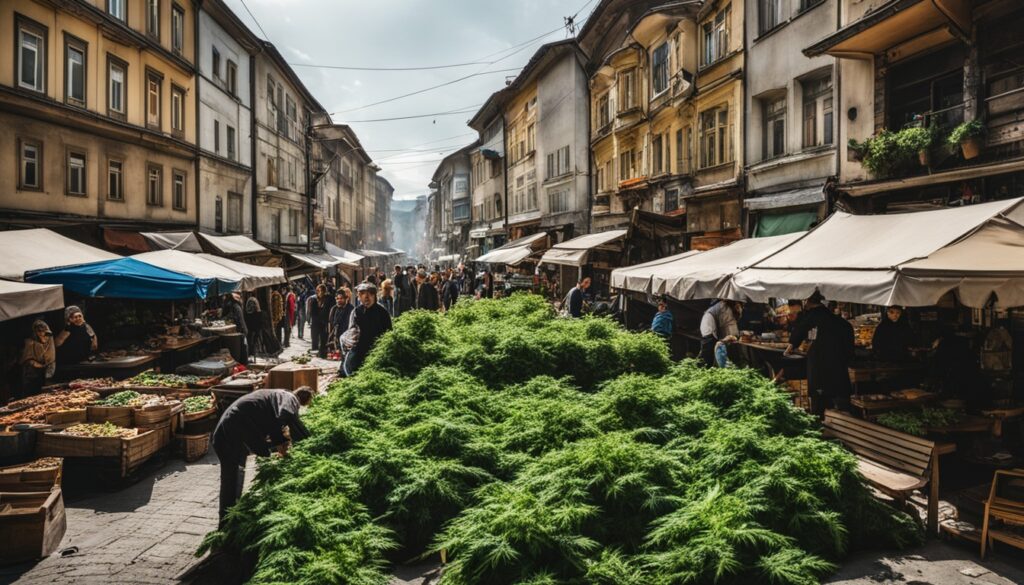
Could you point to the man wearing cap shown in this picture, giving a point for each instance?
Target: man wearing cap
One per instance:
(372, 321)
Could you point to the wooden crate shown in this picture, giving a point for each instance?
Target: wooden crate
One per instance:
(290, 376)
(32, 526)
(129, 453)
(152, 415)
(17, 445)
(122, 416)
(163, 429)
(66, 417)
(17, 478)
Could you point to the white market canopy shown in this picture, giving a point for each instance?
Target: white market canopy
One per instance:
(233, 245)
(18, 299)
(348, 258)
(910, 259)
(184, 241)
(704, 275)
(638, 278)
(42, 249)
(193, 265)
(515, 251)
(316, 260)
(574, 252)
(253, 277)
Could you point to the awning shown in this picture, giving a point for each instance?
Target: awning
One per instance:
(708, 275)
(124, 242)
(320, 261)
(779, 224)
(575, 252)
(515, 251)
(226, 279)
(638, 278)
(350, 259)
(40, 249)
(811, 196)
(184, 241)
(233, 245)
(923, 22)
(18, 299)
(124, 278)
(903, 259)
(450, 258)
(253, 276)
(962, 174)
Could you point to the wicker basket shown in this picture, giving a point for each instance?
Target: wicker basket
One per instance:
(194, 447)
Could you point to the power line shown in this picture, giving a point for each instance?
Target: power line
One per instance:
(463, 135)
(253, 16)
(464, 110)
(424, 90)
(424, 68)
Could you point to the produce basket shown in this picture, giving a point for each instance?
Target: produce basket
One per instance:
(152, 415)
(193, 447)
(66, 417)
(39, 476)
(32, 525)
(122, 416)
(206, 383)
(129, 452)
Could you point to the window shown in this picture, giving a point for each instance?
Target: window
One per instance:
(774, 131)
(30, 155)
(671, 200)
(154, 83)
(460, 210)
(291, 174)
(625, 165)
(218, 214)
(216, 63)
(153, 18)
(817, 111)
(115, 180)
(154, 185)
(603, 111)
(234, 212)
(116, 99)
(74, 71)
(558, 163)
(177, 29)
(177, 110)
(627, 90)
(31, 55)
(216, 136)
(271, 104)
(715, 145)
(497, 205)
(293, 222)
(116, 8)
(715, 36)
(178, 190)
(76, 173)
(769, 15)
(232, 78)
(531, 196)
(808, 4)
(657, 156)
(231, 142)
(659, 68)
(290, 115)
(275, 227)
(679, 151)
(531, 138)
(558, 201)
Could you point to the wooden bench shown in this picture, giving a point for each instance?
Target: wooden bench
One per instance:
(895, 463)
(1001, 507)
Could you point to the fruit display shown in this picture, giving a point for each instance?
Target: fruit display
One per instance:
(197, 403)
(90, 383)
(35, 408)
(130, 398)
(44, 463)
(94, 430)
(532, 449)
(155, 380)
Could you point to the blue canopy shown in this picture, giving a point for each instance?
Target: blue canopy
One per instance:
(124, 278)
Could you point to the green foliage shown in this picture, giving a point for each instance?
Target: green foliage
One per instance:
(972, 129)
(888, 153)
(544, 451)
(918, 422)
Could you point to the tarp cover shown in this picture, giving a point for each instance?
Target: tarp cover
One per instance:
(320, 261)
(350, 258)
(513, 252)
(779, 224)
(124, 278)
(905, 259)
(125, 242)
(233, 245)
(40, 249)
(638, 278)
(574, 252)
(253, 276)
(18, 299)
(184, 241)
(193, 265)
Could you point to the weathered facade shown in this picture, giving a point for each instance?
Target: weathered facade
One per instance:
(98, 111)
(916, 63)
(790, 129)
(225, 55)
(487, 229)
(384, 235)
(453, 201)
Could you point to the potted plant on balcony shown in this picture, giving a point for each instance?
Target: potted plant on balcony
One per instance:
(857, 149)
(968, 136)
(919, 140)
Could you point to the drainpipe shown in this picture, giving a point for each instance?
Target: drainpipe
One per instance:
(198, 82)
(252, 146)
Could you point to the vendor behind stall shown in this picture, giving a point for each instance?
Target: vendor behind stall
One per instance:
(78, 341)
(718, 324)
(893, 337)
(828, 360)
(38, 359)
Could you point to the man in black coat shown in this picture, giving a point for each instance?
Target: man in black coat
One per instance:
(233, 312)
(426, 294)
(828, 360)
(340, 315)
(254, 424)
(319, 320)
(450, 291)
(372, 321)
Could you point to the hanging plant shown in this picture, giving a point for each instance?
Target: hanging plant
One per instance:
(968, 136)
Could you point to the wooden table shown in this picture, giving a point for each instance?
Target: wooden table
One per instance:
(772, 358)
(967, 424)
(180, 351)
(219, 330)
(118, 368)
(867, 406)
(1001, 415)
(878, 371)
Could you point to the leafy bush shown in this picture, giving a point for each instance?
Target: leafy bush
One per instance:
(890, 153)
(972, 129)
(537, 450)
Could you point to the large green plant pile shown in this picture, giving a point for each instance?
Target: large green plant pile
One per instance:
(536, 450)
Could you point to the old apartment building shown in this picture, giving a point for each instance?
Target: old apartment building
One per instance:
(487, 230)
(97, 110)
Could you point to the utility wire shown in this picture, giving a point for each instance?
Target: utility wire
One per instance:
(253, 16)
(464, 110)
(463, 135)
(424, 90)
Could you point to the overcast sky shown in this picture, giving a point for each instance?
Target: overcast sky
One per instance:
(406, 33)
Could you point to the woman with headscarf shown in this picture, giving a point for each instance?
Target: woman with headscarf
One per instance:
(78, 341)
(38, 359)
(893, 337)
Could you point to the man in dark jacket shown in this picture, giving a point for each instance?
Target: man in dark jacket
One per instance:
(426, 294)
(450, 291)
(319, 320)
(340, 314)
(233, 312)
(254, 424)
(575, 297)
(372, 320)
(828, 360)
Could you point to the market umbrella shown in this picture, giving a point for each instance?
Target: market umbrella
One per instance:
(124, 278)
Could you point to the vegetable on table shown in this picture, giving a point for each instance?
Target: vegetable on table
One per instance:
(96, 430)
(197, 403)
(153, 379)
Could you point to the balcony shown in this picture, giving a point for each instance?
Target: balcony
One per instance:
(602, 204)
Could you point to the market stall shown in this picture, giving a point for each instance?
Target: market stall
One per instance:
(125, 278)
(184, 241)
(20, 299)
(512, 255)
(591, 255)
(40, 249)
(225, 279)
